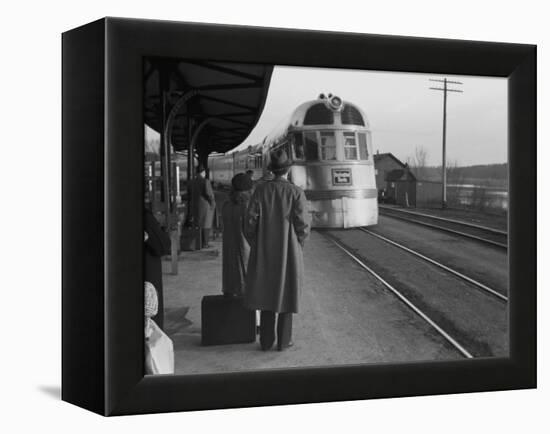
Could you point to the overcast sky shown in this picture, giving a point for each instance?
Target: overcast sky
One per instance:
(402, 111)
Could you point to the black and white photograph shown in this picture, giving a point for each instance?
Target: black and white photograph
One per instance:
(249, 217)
(313, 217)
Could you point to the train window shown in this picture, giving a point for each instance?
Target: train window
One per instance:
(350, 146)
(363, 151)
(351, 116)
(298, 142)
(311, 150)
(328, 146)
(288, 150)
(319, 114)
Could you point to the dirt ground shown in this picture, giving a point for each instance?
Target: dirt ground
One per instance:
(345, 318)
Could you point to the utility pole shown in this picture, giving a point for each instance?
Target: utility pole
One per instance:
(445, 89)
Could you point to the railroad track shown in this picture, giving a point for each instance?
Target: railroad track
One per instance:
(473, 231)
(438, 264)
(409, 301)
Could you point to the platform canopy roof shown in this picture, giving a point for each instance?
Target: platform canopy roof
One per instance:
(230, 95)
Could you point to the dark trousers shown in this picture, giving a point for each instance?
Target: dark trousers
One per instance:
(267, 329)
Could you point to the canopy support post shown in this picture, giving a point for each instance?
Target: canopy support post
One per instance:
(166, 139)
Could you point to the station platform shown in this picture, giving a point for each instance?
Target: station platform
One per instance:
(345, 318)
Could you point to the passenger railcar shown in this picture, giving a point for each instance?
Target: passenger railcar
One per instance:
(223, 167)
(330, 143)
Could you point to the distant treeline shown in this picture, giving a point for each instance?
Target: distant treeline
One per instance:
(485, 174)
(484, 171)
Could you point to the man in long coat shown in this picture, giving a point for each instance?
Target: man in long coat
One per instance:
(277, 225)
(202, 204)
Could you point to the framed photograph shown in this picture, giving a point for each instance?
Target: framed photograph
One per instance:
(258, 216)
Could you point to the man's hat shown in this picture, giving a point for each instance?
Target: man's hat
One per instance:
(279, 160)
(241, 182)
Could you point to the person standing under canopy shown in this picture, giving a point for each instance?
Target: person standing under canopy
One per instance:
(277, 225)
(203, 204)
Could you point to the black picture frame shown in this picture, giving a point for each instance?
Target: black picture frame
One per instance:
(102, 207)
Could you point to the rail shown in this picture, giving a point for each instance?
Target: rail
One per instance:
(391, 212)
(463, 351)
(439, 264)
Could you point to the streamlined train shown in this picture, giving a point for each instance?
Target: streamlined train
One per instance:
(330, 143)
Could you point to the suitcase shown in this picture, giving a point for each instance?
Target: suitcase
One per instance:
(225, 320)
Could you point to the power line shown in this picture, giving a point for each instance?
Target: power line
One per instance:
(445, 89)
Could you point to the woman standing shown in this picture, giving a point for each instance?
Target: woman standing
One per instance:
(235, 246)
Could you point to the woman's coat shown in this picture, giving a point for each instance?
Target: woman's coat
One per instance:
(236, 249)
(276, 226)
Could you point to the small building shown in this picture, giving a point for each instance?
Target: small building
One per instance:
(383, 164)
(394, 180)
(401, 187)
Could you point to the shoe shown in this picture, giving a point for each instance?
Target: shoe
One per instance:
(281, 348)
(266, 347)
(266, 344)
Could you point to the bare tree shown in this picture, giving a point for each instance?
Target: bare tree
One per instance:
(418, 162)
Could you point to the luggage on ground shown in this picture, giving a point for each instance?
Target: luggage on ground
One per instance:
(226, 321)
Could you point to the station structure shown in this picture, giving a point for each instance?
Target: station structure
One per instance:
(197, 107)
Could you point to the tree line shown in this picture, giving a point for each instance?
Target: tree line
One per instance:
(486, 174)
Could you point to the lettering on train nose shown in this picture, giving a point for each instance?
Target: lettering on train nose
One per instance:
(341, 176)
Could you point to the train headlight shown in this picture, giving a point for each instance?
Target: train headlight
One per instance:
(336, 103)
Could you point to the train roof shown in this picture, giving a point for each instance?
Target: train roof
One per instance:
(321, 111)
